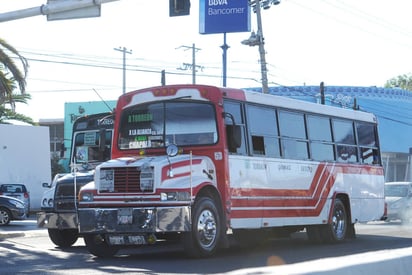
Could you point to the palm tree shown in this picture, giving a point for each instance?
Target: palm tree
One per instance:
(12, 76)
(9, 114)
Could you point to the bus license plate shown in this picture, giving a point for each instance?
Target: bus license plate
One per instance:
(125, 216)
(127, 240)
(137, 239)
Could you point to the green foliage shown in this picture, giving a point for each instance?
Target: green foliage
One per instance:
(11, 77)
(402, 81)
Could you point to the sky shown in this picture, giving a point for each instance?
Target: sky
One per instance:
(339, 42)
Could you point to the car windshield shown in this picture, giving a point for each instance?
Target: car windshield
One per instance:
(162, 123)
(13, 188)
(396, 190)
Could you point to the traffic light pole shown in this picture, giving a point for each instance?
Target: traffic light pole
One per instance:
(55, 7)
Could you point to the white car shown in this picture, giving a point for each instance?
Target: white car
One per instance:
(398, 198)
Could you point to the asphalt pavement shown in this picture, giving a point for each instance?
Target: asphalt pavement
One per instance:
(27, 227)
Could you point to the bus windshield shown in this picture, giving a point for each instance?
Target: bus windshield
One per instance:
(92, 139)
(157, 124)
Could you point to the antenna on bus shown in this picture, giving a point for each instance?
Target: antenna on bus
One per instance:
(111, 110)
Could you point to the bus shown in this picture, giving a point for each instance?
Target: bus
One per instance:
(91, 140)
(205, 164)
(91, 145)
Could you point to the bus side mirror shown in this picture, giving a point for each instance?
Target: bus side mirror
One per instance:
(234, 136)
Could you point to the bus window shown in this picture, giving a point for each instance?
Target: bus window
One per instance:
(321, 151)
(346, 153)
(320, 136)
(366, 134)
(293, 134)
(294, 149)
(343, 131)
(264, 132)
(258, 145)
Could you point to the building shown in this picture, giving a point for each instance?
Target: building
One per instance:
(56, 131)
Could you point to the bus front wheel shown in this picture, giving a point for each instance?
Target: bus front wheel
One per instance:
(205, 234)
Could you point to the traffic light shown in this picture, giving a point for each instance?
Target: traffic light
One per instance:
(179, 7)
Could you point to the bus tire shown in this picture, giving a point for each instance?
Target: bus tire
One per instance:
(63, 238)
(204, 237)
(335, 232)
(97, 245)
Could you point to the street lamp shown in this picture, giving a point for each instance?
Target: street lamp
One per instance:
(257, 38)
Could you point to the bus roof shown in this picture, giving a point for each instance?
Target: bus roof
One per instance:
(310, 107)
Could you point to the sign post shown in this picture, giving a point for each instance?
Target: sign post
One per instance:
(223, 16)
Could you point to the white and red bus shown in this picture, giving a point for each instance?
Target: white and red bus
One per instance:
(200, 162)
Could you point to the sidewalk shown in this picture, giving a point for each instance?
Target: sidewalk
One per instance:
(22, 228)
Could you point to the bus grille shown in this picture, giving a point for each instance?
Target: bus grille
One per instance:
(127, 180)
(65, 205)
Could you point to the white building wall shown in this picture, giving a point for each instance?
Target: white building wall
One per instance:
(25, 158)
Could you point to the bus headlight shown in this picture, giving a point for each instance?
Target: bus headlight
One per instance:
(47, 202)
(175, 196)
(146, 178)
(86, 196)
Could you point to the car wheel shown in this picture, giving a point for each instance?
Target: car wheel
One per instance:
(5, 216)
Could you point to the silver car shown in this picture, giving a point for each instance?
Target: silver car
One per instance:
(18, 191)
(398, 198)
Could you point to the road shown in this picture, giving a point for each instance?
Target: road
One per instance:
(26, 249)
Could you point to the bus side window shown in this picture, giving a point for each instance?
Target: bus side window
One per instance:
(258, 145)
(369, 155)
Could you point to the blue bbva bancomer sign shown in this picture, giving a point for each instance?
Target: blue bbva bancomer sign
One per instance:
(221, 16)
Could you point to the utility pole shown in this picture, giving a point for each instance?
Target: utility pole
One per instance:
(194, 66)
(124, 51)
(263, 68)
(258, 40)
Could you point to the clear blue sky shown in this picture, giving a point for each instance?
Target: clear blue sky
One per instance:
(340, 42)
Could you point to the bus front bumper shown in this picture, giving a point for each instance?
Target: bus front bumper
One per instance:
(57, 220)
(134, 220)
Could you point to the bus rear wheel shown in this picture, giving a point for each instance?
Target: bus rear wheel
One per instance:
(336, 231)
(97, 245)
(205, 234)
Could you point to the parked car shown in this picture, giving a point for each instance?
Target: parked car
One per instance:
(398, 198)
(18, 191)
(11, 209)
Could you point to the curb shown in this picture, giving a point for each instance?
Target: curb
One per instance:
(31, 233)
(11, 235)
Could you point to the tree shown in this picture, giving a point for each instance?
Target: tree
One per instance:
(11, 76)
(9, 114)
(402, 81)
